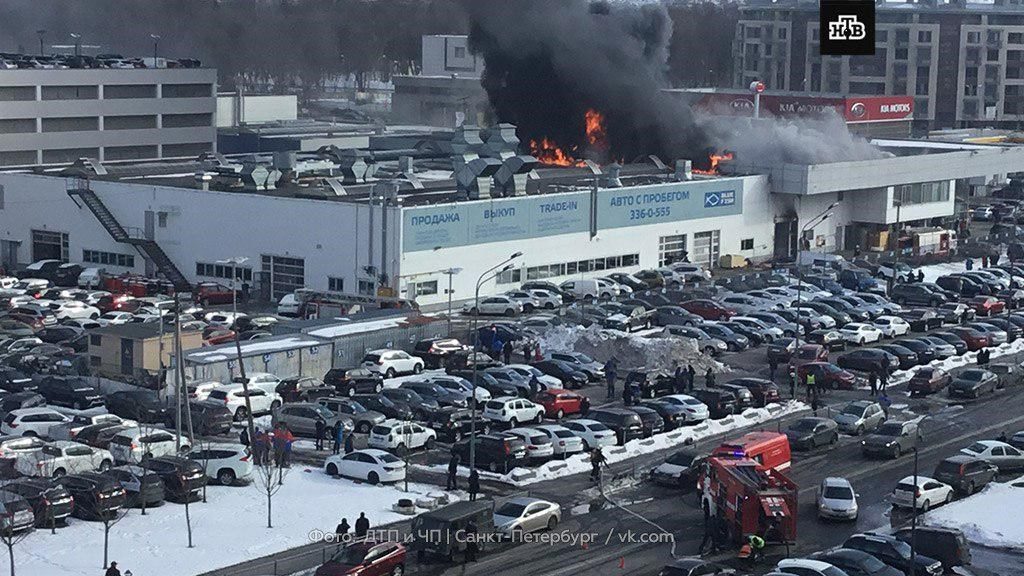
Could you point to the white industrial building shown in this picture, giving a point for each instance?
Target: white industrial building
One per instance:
(317, 221)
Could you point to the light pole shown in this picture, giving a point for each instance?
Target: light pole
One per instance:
(78, 43)
(821, 217)
(913, 506)
(450, 272)
(160, 345)
(234, 262)
(156, 48)
(503, 265)
(896, 256)
(42, 34)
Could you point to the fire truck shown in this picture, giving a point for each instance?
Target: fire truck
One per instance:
(749, 499)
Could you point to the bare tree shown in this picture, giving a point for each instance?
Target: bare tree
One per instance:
(270, 472)
(110, 519)
(9, 537)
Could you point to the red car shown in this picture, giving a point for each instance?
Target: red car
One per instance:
(116, 303)
(928, 381)
(975, 339)
(214, 336)
(987, 305)
(558, 403)
(207, 293)
(366, 559)
(708, 309)
(827, 375)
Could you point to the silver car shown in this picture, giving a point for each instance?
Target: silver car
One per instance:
(837, 500)
(525, 515)
(859, 417)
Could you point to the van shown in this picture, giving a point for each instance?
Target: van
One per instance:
(91, 278)
(584, 289)
(441, 533)
(947, 545)
(67, 274)
(769, 449)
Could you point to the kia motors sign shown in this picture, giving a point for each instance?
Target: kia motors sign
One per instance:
(879, 108)
(853, 109)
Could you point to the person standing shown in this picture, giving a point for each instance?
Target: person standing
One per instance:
(611, 374)
(873, 382)
(474, 484)
(362, 526)
(349, 444)
(812, 388)
(112, 570)
(773, 365)
(883, 380)
(527, 356)
(534, 386)
(679, 379)
(596, 460)
(709, 378)
(289, 439)
(627, 394)
(471, 544)
(691, 376)
(506, 352)
(969, 264)
(342, 529)
(243, 436)
(339, 438)
(496, 347)
(320, 431)
(792, 383)
(453, 471)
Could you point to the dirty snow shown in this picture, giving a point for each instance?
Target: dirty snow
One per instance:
(676, 438)
(228, 529)
(631, 350)
(983, 517)
(953, 362)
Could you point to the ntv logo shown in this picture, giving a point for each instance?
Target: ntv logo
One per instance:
(847, 28)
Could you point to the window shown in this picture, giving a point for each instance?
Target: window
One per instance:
(161, 219)
(335, 284)
(71, 124)
(747, 244)
(186, 150)
(287, 274)
(671, 249)
(782, 33)
(187, 120)
(95, 340)
(992, 55)
(921, 193)
(187, 90)
(130, 152)
(68, 155)
(706, 247)
(423, 288)
(95, 361)
(973, 37)
(460, 52)
(222, 270)
(70, 92)
(367, 287)
(1015, 38)
(131, 122)
(18, 126)
(125, 91)
(108, 258)
(18, 158)
(924, 36)
(47, 245)
(513, 276)
(591, 265)
(17, 93)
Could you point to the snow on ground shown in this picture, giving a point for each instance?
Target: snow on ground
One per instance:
(933, 271)
(984, 517)
(228, 529)
(902, 376)
(676, 438)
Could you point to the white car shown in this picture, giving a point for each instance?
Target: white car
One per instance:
(224, 319)
(201, 391)
(116, 318)
(563, 441)
(612, 288)
(860, 333)
(400, 436)
(524, 515)
(695, 410)
(513, 411)
(807, 315)
(777, 299)
(538, 444)
(289, 305)
(528, 301)
(22, 344)
(131, 445)
(261, 380)
(807, 567)
(548, 300)
(225, 463)
(83, 323)
(742, 303)
(25, 285)
(999, 454)
(930, 493)
(547, 381)
(32, 422)
(67, 309)
(7, 282)
(95, 296)
(63, 457)
(593, 433)
(495, 305)
(891, 326)
(374, 466)
(233, 398)
(772, 332)
(12, 447)
(837, 500)
(691, 271)
(391, 363)
(69, 430)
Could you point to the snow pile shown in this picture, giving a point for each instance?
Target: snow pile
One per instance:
(983, 517)
(901, 376)
(228, 529)
(676, 438)
(933, 271)
(631, 350)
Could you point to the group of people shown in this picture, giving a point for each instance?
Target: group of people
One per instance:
(489, 342)
(362, 527)
(453, 476)
(682, 381)
(337, 435)
(273, 445)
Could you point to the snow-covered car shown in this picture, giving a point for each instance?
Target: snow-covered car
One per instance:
(391, 363)
(68, 430)
(494, 305)
(860, 333)
(67, 309)
(538, 444)
(563, 441)
(999, 454)
(837, 500)
(930, 493)
(233, 398)
(226, 463)
(63, 457)
(131, 445)
(401, 436)
(372, 465)
(694, 410)
(32, 422)
(513, 411)
(891, 326)
(524, 515)
(593, 433)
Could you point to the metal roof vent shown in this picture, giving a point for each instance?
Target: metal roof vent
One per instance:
(467, 140)
(353, 166)
(474, 177)
(612, 172)
(210, 160)
(502, 141)
(511, 178)
(254, 177)
(684, 170)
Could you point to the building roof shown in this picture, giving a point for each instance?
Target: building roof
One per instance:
(136, 330)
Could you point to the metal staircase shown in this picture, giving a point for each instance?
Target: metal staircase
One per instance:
(79, 188)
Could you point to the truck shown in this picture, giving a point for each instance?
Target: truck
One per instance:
(749, 499)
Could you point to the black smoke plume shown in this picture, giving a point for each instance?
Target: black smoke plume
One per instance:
(548, 62)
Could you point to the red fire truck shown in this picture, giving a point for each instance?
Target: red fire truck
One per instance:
(750, 499)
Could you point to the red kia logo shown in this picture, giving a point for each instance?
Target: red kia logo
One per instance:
(858, 110)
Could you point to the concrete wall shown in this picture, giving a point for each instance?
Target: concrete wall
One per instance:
(448, 55)
(233, 110)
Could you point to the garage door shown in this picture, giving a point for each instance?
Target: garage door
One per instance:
(47, 245)
(286, 274)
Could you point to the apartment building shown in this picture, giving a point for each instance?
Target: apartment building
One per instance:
(962, 62)
(447, 91)
(56, 116)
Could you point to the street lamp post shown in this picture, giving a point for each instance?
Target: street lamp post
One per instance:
(818, 219)
(234, 262)
(42, 35)
(156, 47)
(450, 272)
(504, 265)
(896, 255)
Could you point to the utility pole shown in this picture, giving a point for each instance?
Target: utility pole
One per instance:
(896, 243)
(42, 47)
(178, 375)
(156, 48)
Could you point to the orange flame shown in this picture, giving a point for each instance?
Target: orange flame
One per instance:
(548, 152)
(715, 159)
(597, 135)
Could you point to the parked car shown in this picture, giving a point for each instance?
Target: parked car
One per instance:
(301, 419)
(593, 433)
(208, 418)
(860, 416)
(71, 392)
(558, 403)
(966, 474)
(401, 436)
(869, 360)
(411, 401)
(836, 500)
(432, 391)
(494, 452)
(891, 439)
(390, 363)
(563, 441)
(829, 338)
(305, 389)
(372, 465)
(453, 424)
(973, 382)
(78, 422)
(32, 422)
(539, 446)
(183, 478)
(369, 558)
(354, 416)
(233, 397)
(856, 563)
(142, 487)
(807, 353)
(975, 339)
(494, 305)
(999, 454)
(50, 501)
(895, 553)
(434, 351)
(138, 405)
(948, 545)
(720, 403)
(922, 495)
(811, 432)
(827, 375)
(928, 380)
(524, 515)
(708, 309)
(806, 567)
(580, 362)
(352, 381)
(95, 495)
(915, 295)
(891, 326)
(63, 457)
(627, 424)
(135, 445)
(513, 411)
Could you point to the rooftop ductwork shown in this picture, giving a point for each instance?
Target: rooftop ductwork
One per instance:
(611, 175)
(211, 160)
(684, 170)
(466, 140)
(502, 141)
(515, 171)
(353, 166)
(254, 177)
(474, 178)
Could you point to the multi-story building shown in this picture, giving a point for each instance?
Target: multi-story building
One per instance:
(447, 90)
(56, 116)
(962, 62)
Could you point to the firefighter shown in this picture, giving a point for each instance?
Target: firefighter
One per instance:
(752, 551)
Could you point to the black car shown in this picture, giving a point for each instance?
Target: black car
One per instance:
(1013, 331)
(494, 452)
(922, 320)
(964, 286)
(811, 432)
(925, 351)
(895, 553)
(694, 567)
(139, 405)
(100, 435)
(419, 405)
(436, 392)
(516, 383)
(454, 424)
(720, 403)
(384, 405)
(680, 469)
(675, 315)
(781, 350)
(856, 563)
(71, 392)
(964, 473)
(956, 341)
(182, 477)
(304, 389)
(435, 351)
(142, 487)
(13, 380)
(869, 360)
(651, 384)
(652, 421)
(50, 501)
(735, 341)
(209, 418)
(352, 381)
(572, 379)
(744, 397)
(762, 391)
(626, 424)
(915, 295)
(96, 495)
(20, 400)
(60, 334)
(855, 313)
(462, 362)
(671, 413)
(956, 313)
(907, 357)
(948, 545)
(495, 386)
(755, 337)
